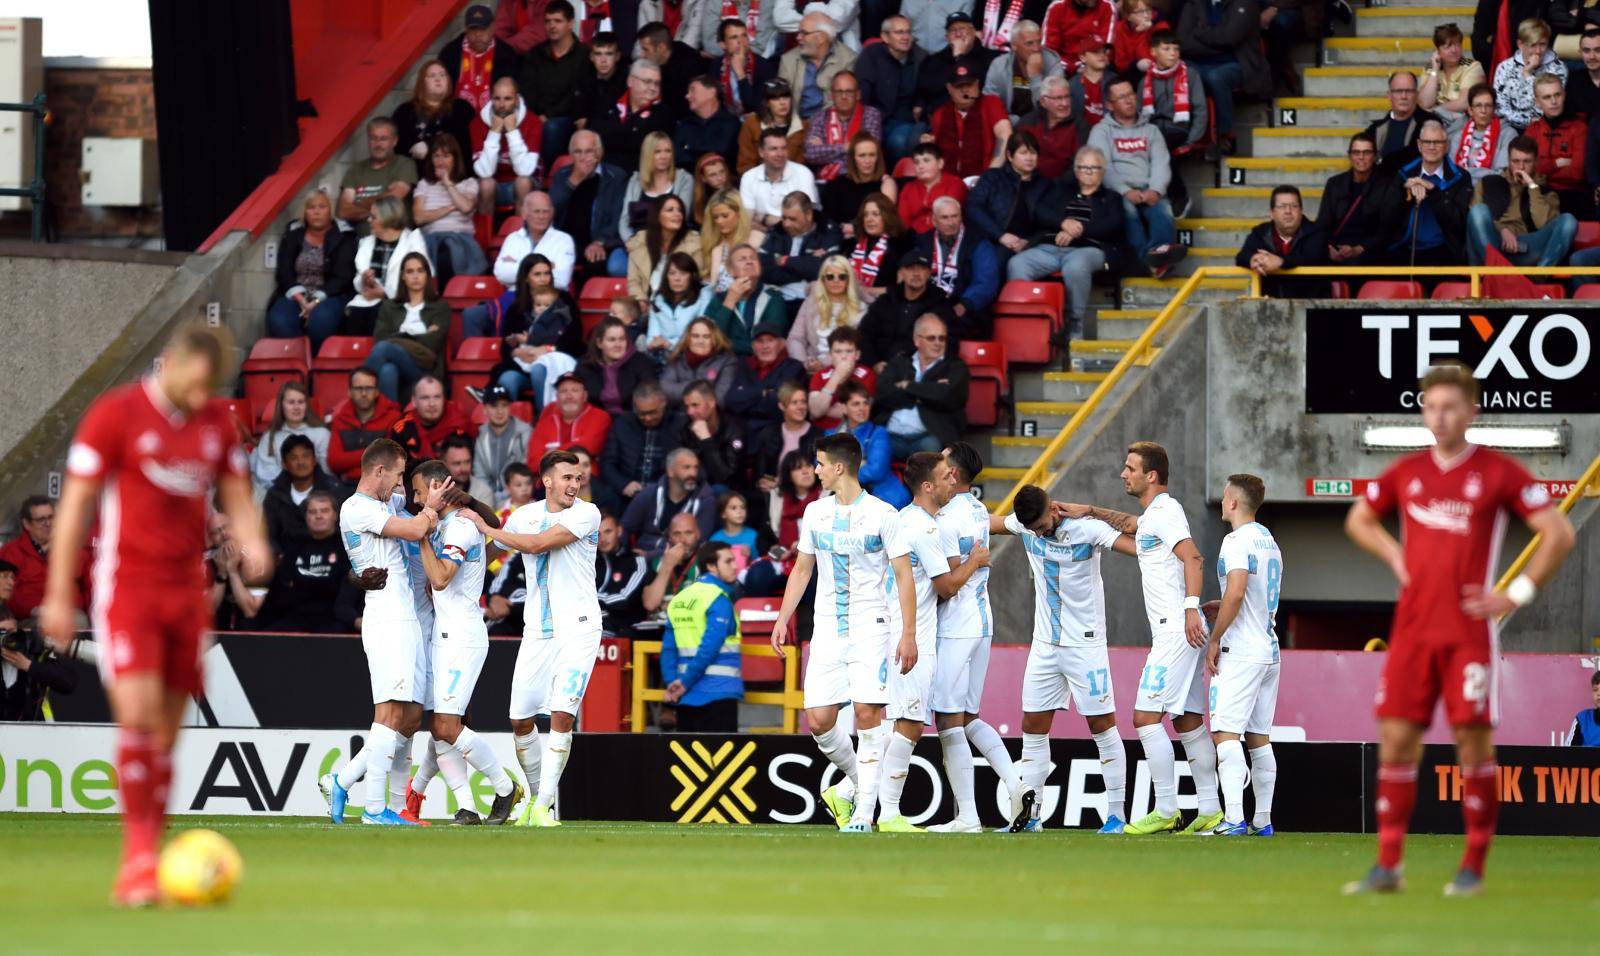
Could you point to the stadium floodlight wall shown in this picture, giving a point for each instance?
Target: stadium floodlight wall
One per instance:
(774, 779)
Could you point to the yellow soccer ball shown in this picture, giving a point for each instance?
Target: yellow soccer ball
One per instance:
(199, 868)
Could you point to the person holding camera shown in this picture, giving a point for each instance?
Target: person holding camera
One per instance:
(29, 671)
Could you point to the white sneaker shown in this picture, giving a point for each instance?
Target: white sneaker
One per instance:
(957, 825)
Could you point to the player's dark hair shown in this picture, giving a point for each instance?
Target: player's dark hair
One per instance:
(841, 447)
(965, 460)
(431, 471)
(1153, 457)
(293, 442)
(383, 452)
(516, 470)
(920, 467)
(1030, 504)
(1452, 373)
(850, 390)
(455, 441)
(706, 555)
(25, 513)
(1252, 491)
(558, 456)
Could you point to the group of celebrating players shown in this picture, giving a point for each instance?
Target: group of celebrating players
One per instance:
(902, 620)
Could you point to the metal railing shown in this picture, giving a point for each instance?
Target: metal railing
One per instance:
(790, 698)
(35, 191)
(1581, 488)
(1040, 471)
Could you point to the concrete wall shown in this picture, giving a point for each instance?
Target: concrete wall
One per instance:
(1162, 406)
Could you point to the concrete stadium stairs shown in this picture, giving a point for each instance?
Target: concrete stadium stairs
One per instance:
(1299, 141)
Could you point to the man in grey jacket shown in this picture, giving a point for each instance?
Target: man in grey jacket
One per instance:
(1017, 76)
(502, 440)
(1139, 168)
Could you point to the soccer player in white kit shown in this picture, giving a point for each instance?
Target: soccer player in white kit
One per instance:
(374, 524)
(966, 631)
(935, 575)
(1242, 657)
(850, 538)
(1067, 662)
(1173, 680)
(453, 562)
(561, 630)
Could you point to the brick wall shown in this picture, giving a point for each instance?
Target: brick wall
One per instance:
(94, 102)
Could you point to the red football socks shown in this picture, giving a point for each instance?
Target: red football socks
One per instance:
(1397, 795)
(143, 773)
(1480, 807)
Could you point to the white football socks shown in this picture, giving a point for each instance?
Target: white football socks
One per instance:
(1263, 778)
(986, 740)
(1035, 767)
(380, 751)
(529, 751)
(428, 768)
(356, 767)
(1114, 769)
(869, 764)
(1231, 772)
(896, 768)
(400, 771)
(480, 755)
(836, 746)
(453, 768)
(1202, 754)
(557, 747)
(1163, 767)
(958, 768)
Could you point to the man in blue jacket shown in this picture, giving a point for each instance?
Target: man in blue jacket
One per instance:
(965, 268)
(700, 648)
(588, 200)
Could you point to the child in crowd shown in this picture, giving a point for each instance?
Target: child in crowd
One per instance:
(733, 512)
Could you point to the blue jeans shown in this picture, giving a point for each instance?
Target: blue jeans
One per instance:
(464, 256)
(1148, 226)
(516, 381)
(900, 137)
(1077, 265)
(478, 323)
(395, 368)
(1586, 257)
(283, 321)
(902, 447)
(1545, 247)
(553, 138)
(1221, 79)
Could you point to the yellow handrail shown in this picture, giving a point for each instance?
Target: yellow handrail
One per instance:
(1591, 477)
(1141, 346)
(790, 698)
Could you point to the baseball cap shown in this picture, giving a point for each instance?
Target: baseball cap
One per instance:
(496, 393)
(960, 16)
(571, 377)
(966, 70)
(766, 328)
(479, 17)
(915, 258)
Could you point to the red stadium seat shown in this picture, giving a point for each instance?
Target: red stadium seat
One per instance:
(1587, 236)
(466, 291)
(561, 163)
(1027, 314)
(271, 363)
(512, 224)
(1390, 289)
(1550, 290)
(1589, 290)
(598, 292)
(470, 367)
(1453, 290)
(756, 617)
(330, 371)
(905, 168)
(989, 386)
(1340, 289)
(240, 410)
(1031, 298)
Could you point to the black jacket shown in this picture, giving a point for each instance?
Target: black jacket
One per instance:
(287, 520)
(886, 327)
(306, 585)
(1488, 14)
(620, 578)
(1308, 248)
(413, 129)
(941, 396)
(934, 72)
(549, 85)
(24, 699)
(1378, 129)
(755, 398)
(804, 266)
(622, 462)
(881, 77)
(1103, 229)
(623, 137)
(606, 212)
(769, 449)
(994, 198)
(725, 455)
(638, 368)
(646, 519)
(339, 261)
(1238, 33)
(694, 137)
(1352, 214)
(506, 61)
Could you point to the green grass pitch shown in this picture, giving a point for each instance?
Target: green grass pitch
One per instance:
(310, 887)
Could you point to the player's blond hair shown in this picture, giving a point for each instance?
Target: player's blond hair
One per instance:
(1452, 373)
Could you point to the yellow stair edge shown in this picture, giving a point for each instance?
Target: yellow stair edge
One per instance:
(1175, 283)
(1048, 408)
(1401, 45)
(1333, 102)
(1278, 131)
(1201, 222)
(1382, 12)
(1381, 72)
(1018, 441)
(1084, 376)
(991, 473)
(1253, 192)
(1107, 314)
(1289, 162)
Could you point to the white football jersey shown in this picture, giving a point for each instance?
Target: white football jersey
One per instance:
(562, 598)
(361, 521)
(458, 617)
(1069, 601)
(1162, 527)
(1251, 637)
(966, 613)
(853, 545)
(930, 557)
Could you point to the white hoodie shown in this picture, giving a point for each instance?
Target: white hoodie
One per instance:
(523, 160)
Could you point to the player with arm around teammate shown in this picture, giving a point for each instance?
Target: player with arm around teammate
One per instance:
(1068, 661)
(557, 538)
(849, 538)
(1454, 501)
(1242, 657)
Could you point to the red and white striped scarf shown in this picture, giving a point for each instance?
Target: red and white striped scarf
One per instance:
(1481, 155)
(1180, 91)
(834, 133)
(868, 262)
(730, 83)
(997, 29)
(730, 11)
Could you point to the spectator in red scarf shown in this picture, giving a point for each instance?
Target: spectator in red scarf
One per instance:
(971, 128)
(878, 241)
(930, 184)
(1172, 96)
(477, 58)
(833, 129)
(740, 73)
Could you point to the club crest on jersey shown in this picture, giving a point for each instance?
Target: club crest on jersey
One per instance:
(210, 444)
(1535, 496)
(148, 444)
(1415, 488)
(1473, 486)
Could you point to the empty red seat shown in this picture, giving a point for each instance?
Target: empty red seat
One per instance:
(1550, 290)
(987, 362)
(477, 355)
(273, 362)
(561, 163)
(466, 291)
(330, 370)
(598, 292)
(1453, 290)
(1587, 236)
(1025, 338)
(1031, 298)
(1390, 289)
(240, 410)
(756, 617)
(905, 168)
(1589, 290)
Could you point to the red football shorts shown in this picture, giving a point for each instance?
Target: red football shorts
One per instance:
(1421, 669)
(146, 630)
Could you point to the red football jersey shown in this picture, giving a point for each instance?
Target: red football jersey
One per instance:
(1452, 519)
(159, 468)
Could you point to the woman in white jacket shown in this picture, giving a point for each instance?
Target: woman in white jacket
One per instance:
(378, 259)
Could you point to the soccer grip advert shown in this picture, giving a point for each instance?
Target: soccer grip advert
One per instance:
(1361, 361)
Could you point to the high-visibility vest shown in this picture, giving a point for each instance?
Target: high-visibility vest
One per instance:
(687, 612)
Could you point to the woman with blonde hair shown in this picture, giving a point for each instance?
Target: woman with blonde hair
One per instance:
(434, 108)
(1514, 76)
(727, 226)
(658, 176)
(703, 352)
(835, 300)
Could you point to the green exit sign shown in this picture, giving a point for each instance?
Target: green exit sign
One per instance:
(1340, 487)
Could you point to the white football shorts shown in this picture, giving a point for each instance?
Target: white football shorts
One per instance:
(854, 669)
(1174, 677)
(552, 673)
(958, 674)
(1244, 696)
(397, 659)
(1061, 674)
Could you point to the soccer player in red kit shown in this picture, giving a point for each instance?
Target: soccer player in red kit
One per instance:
(152, 453)
(1453, 501)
